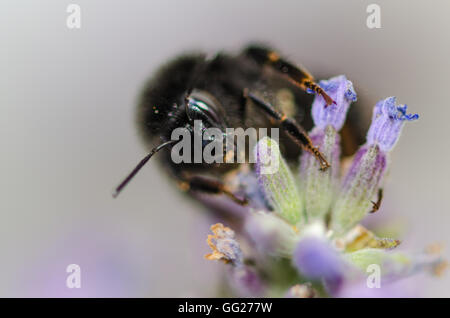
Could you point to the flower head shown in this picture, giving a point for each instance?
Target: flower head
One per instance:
(316, 259)
(369, 165)
(224, 245)
(387, 122)
(245, 280)
(310, 231)
(341, 91)
(276, 181)
(318, 186)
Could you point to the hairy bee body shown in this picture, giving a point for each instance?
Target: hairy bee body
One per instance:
(224, 77)
(168, 102)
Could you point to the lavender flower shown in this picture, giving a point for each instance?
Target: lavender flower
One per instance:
(224, 245)
(341, 91)
(369, 165)
(387, 123)
(313, 222)
(318, 186)
(277, 182)
(316, 259)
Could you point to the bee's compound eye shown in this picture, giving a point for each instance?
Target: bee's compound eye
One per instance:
(202, 106)
(198, 109)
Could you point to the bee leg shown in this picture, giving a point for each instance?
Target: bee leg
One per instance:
(295, 131)
(376, 205)
(210, 185)
(300, 77)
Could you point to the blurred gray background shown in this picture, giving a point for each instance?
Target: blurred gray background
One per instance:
(67, 130)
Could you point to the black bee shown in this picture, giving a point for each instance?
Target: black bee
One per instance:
(243, 90)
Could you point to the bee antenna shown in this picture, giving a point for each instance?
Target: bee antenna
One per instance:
(139, 166)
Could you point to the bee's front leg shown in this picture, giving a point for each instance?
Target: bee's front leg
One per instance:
(294, 130)
(209, 185)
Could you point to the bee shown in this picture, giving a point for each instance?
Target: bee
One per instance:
(254, 88)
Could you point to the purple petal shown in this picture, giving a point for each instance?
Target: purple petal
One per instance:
(316, 259)
(358, 189)
(387, 123)
(341, 91)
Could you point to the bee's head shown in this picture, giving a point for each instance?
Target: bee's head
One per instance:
(206, 118)
(200, 114)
